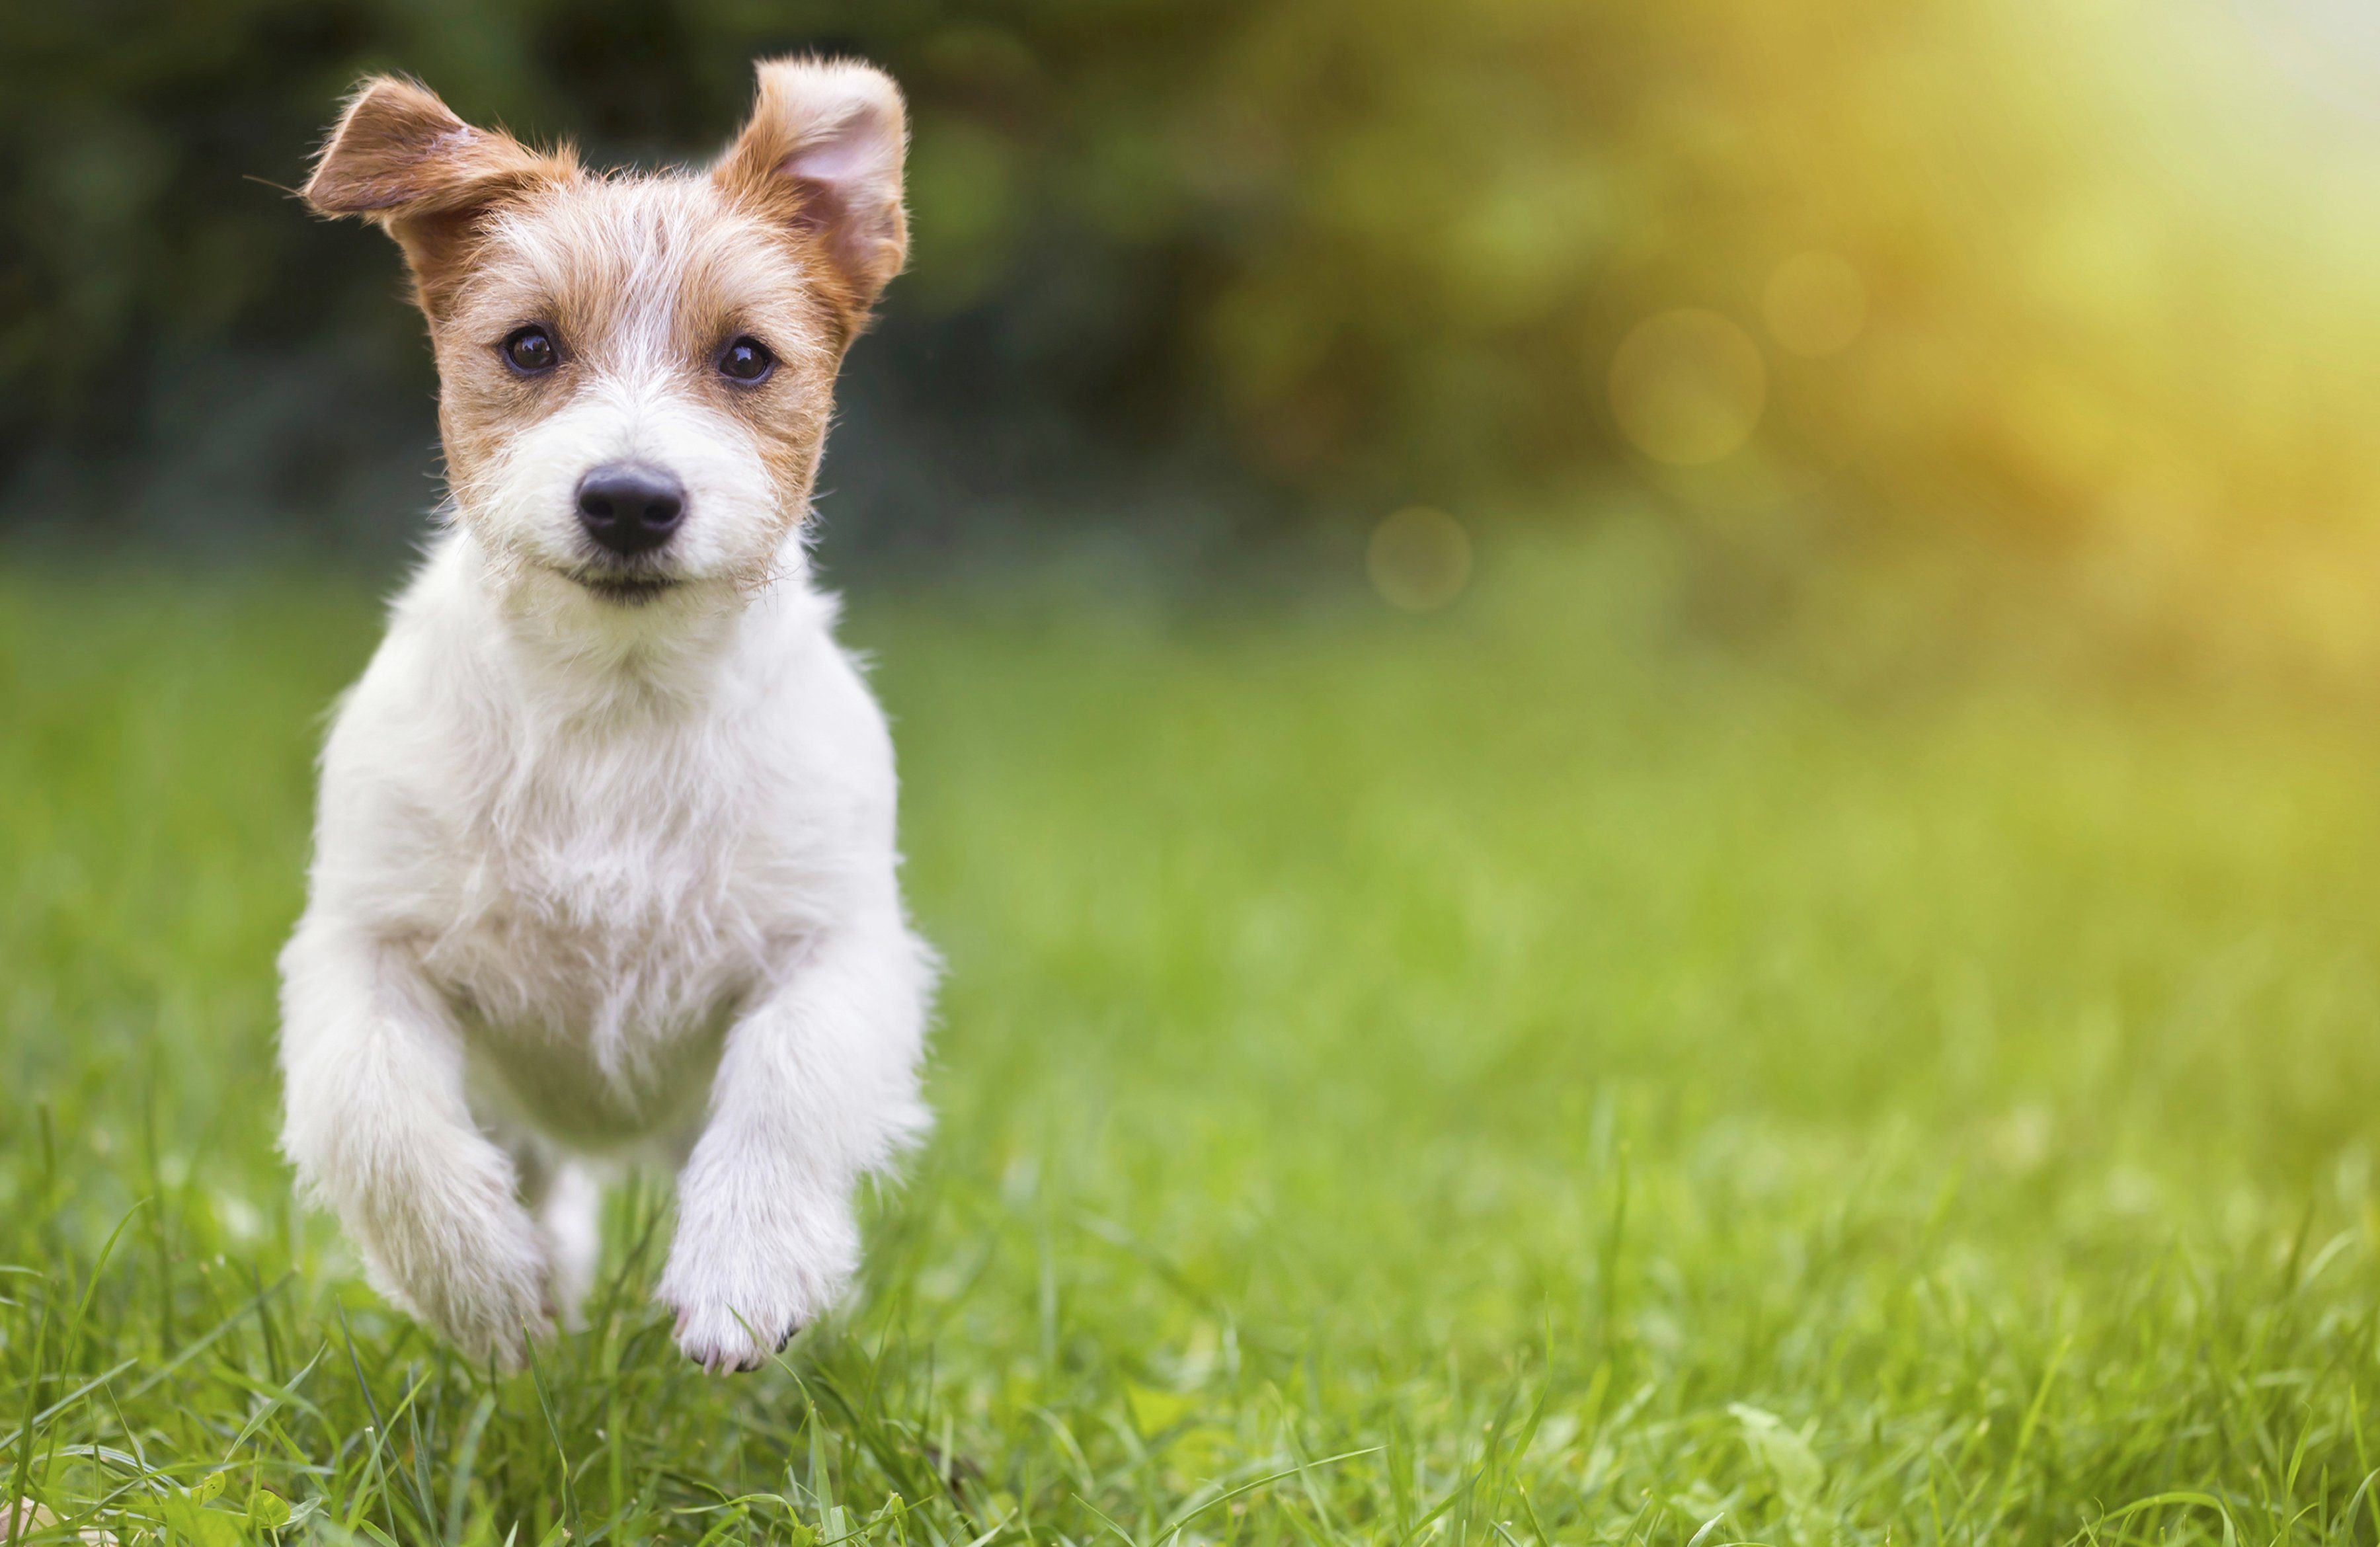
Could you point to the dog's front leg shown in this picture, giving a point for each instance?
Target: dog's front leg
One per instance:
(816, 1085)
(379, 1130)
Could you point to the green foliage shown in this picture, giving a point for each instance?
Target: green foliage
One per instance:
(2089, 277)
(1500, 1077)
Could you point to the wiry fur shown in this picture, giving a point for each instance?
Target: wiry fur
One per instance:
(606, 857)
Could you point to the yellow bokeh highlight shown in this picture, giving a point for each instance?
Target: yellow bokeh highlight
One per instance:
(1419, 559)
(1816, 304)
(1687, 387)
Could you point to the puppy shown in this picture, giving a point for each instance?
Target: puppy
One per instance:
(604, 862)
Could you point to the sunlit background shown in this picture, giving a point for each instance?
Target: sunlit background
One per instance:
(1645, 735)
(2078, 301)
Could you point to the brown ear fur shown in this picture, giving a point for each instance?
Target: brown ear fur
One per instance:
(399, 158)
(821, 155)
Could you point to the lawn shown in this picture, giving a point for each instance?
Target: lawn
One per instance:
(1515, 1076)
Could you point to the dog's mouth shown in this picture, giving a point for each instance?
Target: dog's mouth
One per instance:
(622, 589)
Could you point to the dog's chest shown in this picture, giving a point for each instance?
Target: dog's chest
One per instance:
(607, 909)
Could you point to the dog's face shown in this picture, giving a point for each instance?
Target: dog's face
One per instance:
(635, 372)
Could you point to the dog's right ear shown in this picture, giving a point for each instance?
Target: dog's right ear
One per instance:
(399, 158)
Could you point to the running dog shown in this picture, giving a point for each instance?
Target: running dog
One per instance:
(604, 862)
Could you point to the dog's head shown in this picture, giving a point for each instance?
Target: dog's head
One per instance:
(635, 371)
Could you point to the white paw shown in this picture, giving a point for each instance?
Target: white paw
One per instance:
(726, 1340)
(473, 1268)
(741, 1294)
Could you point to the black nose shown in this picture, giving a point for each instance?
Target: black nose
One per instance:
(630, 509)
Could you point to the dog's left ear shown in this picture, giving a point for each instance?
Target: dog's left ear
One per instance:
(822, 154)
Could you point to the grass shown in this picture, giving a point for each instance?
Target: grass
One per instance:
(1512, 1078)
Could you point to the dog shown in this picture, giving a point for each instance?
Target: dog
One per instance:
(604, 863)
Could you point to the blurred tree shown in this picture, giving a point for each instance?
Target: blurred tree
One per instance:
(2062, 274)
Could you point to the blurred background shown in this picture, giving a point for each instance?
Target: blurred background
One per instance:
(1679, 692)
(2029, 319)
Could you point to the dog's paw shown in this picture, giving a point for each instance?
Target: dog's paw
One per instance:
(497, 1325)
(475, 1274)
(726, 1341)
(741, 1296)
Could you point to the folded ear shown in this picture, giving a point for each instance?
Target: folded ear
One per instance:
(400, 159)
(822, 155)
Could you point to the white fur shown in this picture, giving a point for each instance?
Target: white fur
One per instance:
(591, 878)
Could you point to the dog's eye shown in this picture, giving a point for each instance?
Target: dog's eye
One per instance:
(530, 351)
(745, 360)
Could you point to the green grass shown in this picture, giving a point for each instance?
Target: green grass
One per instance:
(1512, 1077)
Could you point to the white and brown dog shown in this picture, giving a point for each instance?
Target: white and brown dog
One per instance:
(605, 855)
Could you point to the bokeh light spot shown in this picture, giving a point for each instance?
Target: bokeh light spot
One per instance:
(1816, 304)
(1419, 559)
(1687, 387)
